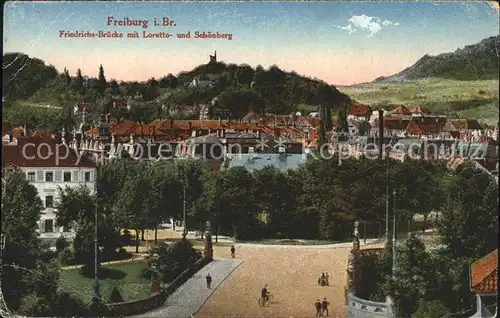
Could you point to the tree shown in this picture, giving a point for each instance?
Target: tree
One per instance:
(470, 204)
(321, 134)
(131, 210)
(430, 309)
(276, 200)
(76, 208)
(67, 77)
(101, 81)
(78, 81)
(414, 276)
(26, 269)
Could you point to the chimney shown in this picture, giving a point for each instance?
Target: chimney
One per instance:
(220, 121)
(381, 146)
(171, 123)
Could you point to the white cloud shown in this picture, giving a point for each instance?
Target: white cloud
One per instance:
(370, 24)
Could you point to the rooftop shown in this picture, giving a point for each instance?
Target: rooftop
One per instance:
(29, 153)
(484, 278)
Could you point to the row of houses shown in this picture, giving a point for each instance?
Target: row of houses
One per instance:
(419, 122)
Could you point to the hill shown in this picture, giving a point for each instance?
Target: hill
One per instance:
(232, 89)
(466, 99)
(479, 61)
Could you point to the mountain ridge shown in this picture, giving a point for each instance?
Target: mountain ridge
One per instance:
(479, 61)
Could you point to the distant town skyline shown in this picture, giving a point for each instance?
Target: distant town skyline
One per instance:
(341, 43)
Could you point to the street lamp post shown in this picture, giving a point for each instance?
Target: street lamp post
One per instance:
(96, 285)
(386, 199)
(155, 277)
(394, 237)
(184, 229)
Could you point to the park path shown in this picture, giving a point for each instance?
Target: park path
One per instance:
(128, 260)
(186, 301)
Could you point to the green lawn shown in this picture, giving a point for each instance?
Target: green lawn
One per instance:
(471, 99)
(125, 276)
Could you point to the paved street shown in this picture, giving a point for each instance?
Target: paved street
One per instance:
(191, 296)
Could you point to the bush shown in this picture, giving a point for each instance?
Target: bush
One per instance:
(34, 306)
(61, 243)
(69, 306)
(430, 309)
(126, 239)
(66, 256)
(173, 259)
(116, 296)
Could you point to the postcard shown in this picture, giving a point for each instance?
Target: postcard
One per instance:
(250, 159)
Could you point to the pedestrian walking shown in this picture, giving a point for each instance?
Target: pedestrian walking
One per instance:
(209, 280)
(324, 307)
(318, 308)
(327, 278)
(233, 251)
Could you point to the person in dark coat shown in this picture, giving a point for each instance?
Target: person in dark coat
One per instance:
(324, 307)
(317, 304)
(209, 280)
(233, 251)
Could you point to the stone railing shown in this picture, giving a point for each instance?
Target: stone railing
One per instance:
(185, 275)
(357, 307)
(137, 306)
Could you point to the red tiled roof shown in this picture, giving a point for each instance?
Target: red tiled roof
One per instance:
(42, 133)
(84, 107)
(401, 110)
(18, 132)
(360, 110)
(466, 124)
(454, 163)
(421, 110)
(6, 127)
(120, 102)
(394, 123)
(484, 278)
(426, 125)
(29, 153)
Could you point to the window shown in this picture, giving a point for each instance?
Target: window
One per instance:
(67, 176)
(87, 176)
(49, 201)
(31, 176)
(49, 176)
(49, 226)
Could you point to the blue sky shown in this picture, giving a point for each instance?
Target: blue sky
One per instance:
(339, 42)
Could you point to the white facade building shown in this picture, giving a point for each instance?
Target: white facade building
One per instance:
(197, 82)
(47, 173)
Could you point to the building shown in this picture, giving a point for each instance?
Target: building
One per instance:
(469, 129)
(121, 104)
(360, 111)
(48, 165)
(198, 82)
(82, 110)
(253, 162)
(484, 283)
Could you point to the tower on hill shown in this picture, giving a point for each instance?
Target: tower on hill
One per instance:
(213, 58)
